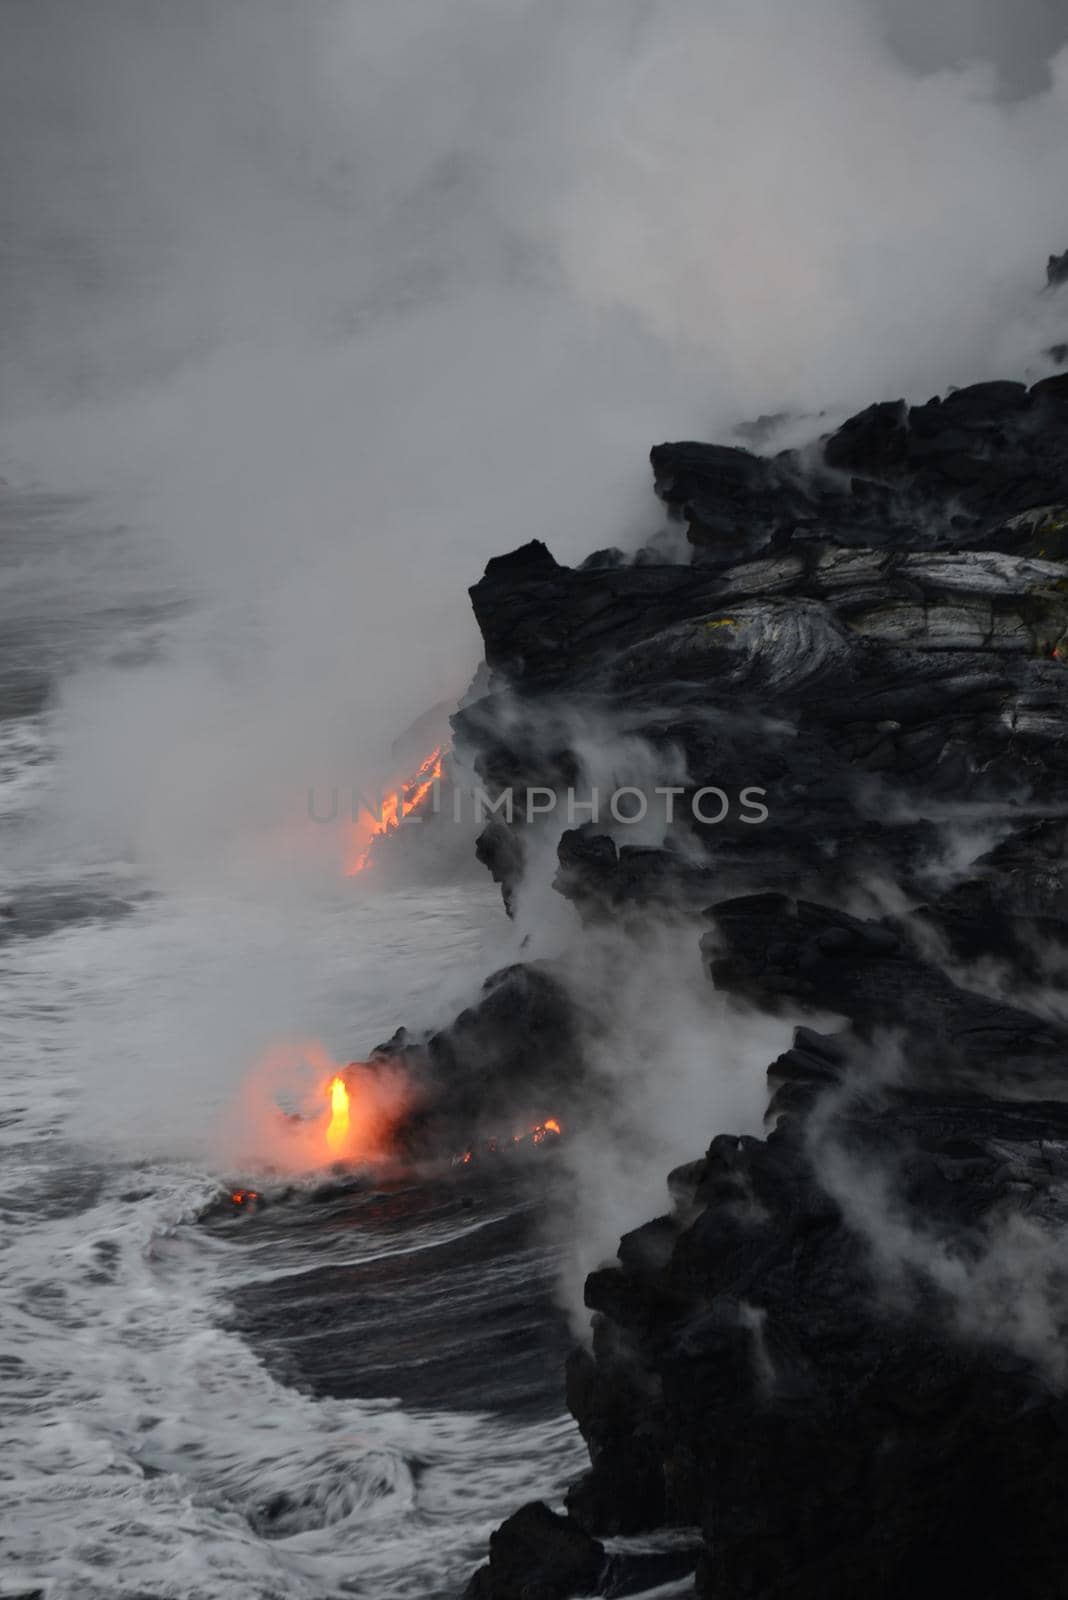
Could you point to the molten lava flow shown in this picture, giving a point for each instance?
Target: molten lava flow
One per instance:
(406, 799)
(337, 1132)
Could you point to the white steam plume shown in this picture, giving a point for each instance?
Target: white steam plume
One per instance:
(338, 301)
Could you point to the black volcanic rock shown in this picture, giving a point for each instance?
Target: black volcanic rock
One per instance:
(501, 851)
(515, 1057)
(833, 1436)
(735, 503)
(529, 560)
(875, 442)
(538, 1555)
(771, 949)
(842, 1354)
(854, 686)
(1013, 904)
(520, 1040)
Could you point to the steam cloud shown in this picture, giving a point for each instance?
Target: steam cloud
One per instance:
(334, 302)
(680, 1061)
(1006, 1287)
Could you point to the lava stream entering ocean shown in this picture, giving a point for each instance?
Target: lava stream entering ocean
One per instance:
(405, 800)
(300, 1110)
(337, 1131)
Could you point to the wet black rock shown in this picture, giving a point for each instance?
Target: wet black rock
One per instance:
(538, 1555)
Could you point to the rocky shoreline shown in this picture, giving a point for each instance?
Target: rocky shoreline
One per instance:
(840, 1355)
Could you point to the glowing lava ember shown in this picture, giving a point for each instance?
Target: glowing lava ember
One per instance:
(406, 798)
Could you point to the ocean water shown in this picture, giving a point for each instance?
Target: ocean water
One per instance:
(153, 1441)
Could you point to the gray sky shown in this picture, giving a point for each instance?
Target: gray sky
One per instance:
(175, 170)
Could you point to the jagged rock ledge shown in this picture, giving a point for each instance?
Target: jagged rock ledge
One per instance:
(841, 1354)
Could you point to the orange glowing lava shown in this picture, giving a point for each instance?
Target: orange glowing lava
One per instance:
(300, 1109)
(337, 1132)
(406, 798)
